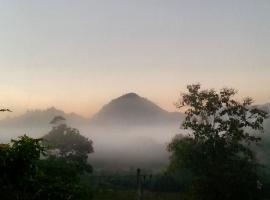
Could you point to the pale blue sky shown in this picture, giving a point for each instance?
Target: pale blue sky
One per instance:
(77, 55)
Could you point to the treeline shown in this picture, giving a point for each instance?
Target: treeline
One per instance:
(214, 161)
(47, 168)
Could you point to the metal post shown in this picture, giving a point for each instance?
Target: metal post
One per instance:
(139, 185)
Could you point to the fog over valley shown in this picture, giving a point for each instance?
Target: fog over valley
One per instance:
(130, 131)
(135, 99)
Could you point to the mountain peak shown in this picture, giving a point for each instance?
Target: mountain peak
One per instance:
(129, 95)
(131, 109)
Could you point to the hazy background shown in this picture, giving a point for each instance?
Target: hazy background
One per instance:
(63, 56)
(129, 131)
(78, 55)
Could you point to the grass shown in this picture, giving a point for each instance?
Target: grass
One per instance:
(110, 194)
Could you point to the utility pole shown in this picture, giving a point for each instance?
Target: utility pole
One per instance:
(139, 185)
(141, 180)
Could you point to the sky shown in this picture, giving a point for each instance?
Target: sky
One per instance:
(78, 55)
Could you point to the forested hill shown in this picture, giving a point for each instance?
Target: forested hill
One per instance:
(133, 110)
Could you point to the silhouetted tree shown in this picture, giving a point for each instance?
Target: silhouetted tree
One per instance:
(5, 110)
(25, 176)
(57, 119)
(70, 144)
(58, 178)
(217, 149)
(18, 166)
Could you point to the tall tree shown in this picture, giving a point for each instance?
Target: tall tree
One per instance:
(25, 176)
(217, 148)
(70, 143)
(18, 165)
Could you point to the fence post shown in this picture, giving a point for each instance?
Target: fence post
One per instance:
(139, 185)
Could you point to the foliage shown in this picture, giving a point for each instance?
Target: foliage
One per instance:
(71, 145)
(60, 179)
(68, 140)
(217, 149)
(24, 175)
(18, 166)
(168, 182)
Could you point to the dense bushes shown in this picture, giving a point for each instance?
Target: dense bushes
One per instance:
(24, 175)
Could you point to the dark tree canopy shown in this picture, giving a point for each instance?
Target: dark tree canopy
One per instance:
(25, 176)
(57, 119)
(217, 149)
(70, 144)
(18, 167)
(68, 140)
(5, 110)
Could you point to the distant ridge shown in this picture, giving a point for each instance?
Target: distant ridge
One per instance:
(132, 109)
(126, 110)
(40, 118)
